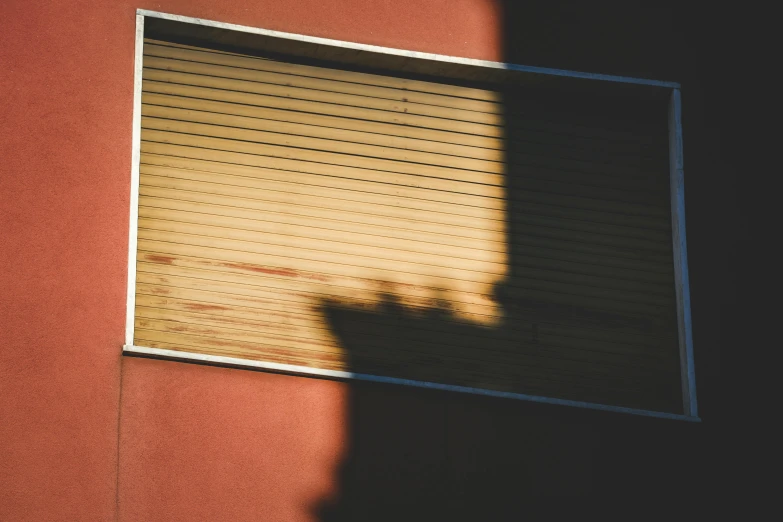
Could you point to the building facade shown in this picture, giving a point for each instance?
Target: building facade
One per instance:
(87, 433)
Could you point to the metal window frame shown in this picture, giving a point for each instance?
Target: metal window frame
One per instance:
(676, 180)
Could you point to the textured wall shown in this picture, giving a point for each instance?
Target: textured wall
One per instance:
(66, 91)
(204, 443)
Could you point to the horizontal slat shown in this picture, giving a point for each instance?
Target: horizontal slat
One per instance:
(413, 239)
(335, 104)
(651, 361)
(237, 140)
(312, 79)
(452, 278)
(322, 345)
(552, 354)
(646, 268)
(483, 260)
(361, 94)
(418, 209)
(330, 252)
(304, 356)
(272, 199)
(337, 141)
(346, 142)
(531, 140)
(479, 308)
(306, 232)
(412, 209)
(480, 303)
(188, 158)
(435, 344)
(203, 298)
(324, 114)
(276, 304)
(168, 49)
(158, 196)
(287, 98)
(368, 296)
(554, 148)
(369, 181)
(324, 342)
(577, 243)
(283, 301)
(288, 293)
(372, 189)
(625, 176)
(278, 240)
(319, 126)
(535, 229)
(302, 330)
(465, 297)
(422, 191)
(329, 91)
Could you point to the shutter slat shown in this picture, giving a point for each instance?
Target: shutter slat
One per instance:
(166, 49)
(537, 140)
(463, 280)
(629, 347)
(539, 231)
(332, 103)
(421, 191)
(644, 268)
(295, 135)
(313, 79)
(414, 209)
(388, 248)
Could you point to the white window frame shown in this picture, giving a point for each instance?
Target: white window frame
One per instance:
(676, 180)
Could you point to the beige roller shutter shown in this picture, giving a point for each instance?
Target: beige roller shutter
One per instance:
(387, 226)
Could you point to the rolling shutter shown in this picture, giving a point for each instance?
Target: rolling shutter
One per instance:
(380, 225)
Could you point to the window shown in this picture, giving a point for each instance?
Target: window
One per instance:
(430, 221)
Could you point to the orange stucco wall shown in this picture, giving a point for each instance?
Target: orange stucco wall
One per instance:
(86, 434)
(66, 91)
(211, 443)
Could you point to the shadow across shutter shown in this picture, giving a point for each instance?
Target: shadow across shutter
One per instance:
(390, 226)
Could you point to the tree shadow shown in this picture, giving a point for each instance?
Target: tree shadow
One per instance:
(433, 455)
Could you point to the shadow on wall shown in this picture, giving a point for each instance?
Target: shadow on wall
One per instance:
(585, 307)
(589, 254)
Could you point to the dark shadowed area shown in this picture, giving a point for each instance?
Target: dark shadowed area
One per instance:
(426, 455)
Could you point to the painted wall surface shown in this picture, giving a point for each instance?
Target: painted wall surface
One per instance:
(189, 442)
